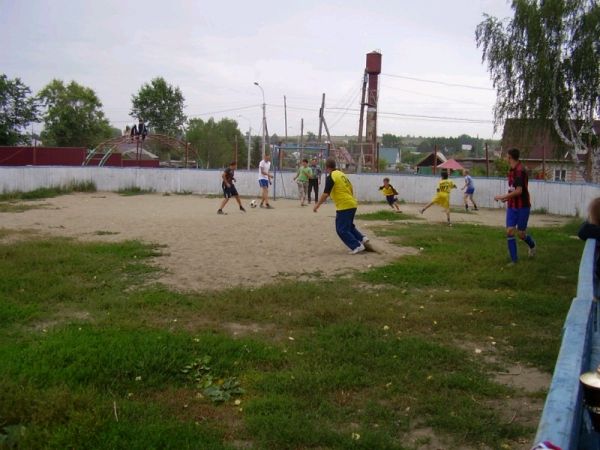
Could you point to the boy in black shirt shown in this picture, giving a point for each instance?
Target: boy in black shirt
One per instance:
(229, 189)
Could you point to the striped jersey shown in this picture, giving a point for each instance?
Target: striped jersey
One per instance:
(517, 177)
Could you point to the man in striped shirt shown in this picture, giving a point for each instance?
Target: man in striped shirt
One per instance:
(518, 206)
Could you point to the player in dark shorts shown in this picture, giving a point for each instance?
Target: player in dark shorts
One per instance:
(229, 189)
(518, 206)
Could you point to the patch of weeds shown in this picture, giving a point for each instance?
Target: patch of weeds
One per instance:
(217, 389)
(16, 207)
(387, 216)
(539, 211)
(134, 190)
(105, 233)
(183, 192)
(49, 192)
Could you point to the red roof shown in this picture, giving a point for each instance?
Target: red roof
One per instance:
(451, 164)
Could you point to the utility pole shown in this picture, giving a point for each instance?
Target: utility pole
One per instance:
(301, 139)
(487, 161)
(362, 107)
(321, 113)
(285, 118)
(264, 119)
(249, 144)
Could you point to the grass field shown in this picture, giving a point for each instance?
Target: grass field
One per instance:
(96, 355)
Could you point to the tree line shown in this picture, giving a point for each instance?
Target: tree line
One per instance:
(72, 116)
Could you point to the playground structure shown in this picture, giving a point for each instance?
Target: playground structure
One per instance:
(133, 151)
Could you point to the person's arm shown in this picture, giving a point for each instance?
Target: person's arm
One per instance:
(465, 186)
(224, 176)
(589, 231)
(503, 198)
(325, 194)
(518, 191)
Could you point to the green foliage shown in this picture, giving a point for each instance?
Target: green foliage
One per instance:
(49, 192)
(453, 145)
(391, 140)
(545, 64)
(134, 190)
(256, 152)
(215, 388)
(17, 110)
(160, 105)
(386, 215)
(73, 116)
(216, 142)
(501, 167)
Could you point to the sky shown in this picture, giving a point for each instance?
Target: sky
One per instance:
(432, 72)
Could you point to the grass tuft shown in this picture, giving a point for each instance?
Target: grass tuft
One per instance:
(134, 190)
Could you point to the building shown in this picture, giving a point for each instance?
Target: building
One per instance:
(391, 156)
(543, 152)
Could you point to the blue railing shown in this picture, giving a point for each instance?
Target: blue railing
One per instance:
(563, 421)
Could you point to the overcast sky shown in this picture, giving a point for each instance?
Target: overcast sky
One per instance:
(214, 52)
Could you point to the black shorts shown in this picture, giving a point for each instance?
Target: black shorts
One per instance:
(229, 192)
(391, 199)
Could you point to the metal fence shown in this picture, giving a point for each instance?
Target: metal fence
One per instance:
(570, 199)
(564, 421)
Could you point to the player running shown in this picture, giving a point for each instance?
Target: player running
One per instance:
(442, 196)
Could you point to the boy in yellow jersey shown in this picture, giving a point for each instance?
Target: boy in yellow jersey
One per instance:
(442, 197)
(339, 188)
(390, 194)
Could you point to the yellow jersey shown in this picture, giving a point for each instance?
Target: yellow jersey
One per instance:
(445, 186)
(338, 186)
(388, 190)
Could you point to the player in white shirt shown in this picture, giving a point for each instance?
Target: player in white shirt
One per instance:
(264, 180)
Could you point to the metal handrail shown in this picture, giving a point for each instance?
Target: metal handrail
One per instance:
(561, 420)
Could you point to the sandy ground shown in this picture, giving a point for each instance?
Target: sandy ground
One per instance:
(204, 251)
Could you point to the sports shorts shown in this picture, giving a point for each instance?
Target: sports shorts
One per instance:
(229, 192)
(470, 191)
(263, 183)
(517, 217)
(391, 199)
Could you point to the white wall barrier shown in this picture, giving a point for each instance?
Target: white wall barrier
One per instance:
(556, 198)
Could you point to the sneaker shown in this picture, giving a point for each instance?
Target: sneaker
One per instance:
(531, 252)
(262, 206)
(364, 240)
(269, 206)
(220, 212)
(242, 209)
(360, 248)
(449, 224)
(422, 211)
(476, 209)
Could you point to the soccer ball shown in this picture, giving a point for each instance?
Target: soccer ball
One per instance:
(253, 204)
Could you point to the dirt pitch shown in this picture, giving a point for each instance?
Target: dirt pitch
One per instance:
(205, 251)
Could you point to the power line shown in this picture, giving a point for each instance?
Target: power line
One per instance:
(439, 97)
(241, 108)
(443, 83)
(422, 116)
